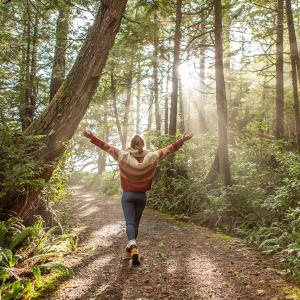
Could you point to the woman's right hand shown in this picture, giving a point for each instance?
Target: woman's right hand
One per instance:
(87, 133)
(187, 136)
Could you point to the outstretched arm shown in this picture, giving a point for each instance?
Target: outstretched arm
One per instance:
(174, 146)
(113, 151)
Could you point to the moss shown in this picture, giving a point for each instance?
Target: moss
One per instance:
(47, 284)
(292, 292)
(222, 236)
(181, 223)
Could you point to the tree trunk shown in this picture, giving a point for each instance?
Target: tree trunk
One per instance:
(114, 100)
(155, 75)
(33, 81)
(201, 105)
(167, 105)
(101, 163)
(127, 104)
(221, 96)
(61, 118)
(149, 122)
(181, 108)
(59, 61)
(138, 99)
(295, 65)
(176, 64)
(214, 171)
(279, 131)
(28, 100)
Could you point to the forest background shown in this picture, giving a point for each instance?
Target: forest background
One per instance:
(227, 71)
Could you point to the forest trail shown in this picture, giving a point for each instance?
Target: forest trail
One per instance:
(179, 262)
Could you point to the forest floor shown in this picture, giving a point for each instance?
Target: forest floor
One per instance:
(179, 261)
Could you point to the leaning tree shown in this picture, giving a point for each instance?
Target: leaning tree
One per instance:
(68, 106)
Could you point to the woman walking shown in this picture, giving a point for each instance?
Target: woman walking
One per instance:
(137, 167)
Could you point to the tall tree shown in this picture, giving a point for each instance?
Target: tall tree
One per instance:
(61, 118)
(138, 98)
(175, 73)
(295, 65)
(59, 60)
(181, 108)
(279, 131)
(221, 96)
(167, 104)
(29, 95)
(201, 105)
(113, 91)
(155, 74)
(129, 79)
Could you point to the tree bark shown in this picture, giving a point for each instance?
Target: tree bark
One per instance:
(202, 100)
(167, 105)
(127, 104)
(176, 64)
(155, 75)
(221, 96)
(214, 171)
(138, 99)
(279, 131)
(116, 113)
(295, 67)
(101, 163)
(61, 118)
(28, 97)
(181, 108)
(59, 60)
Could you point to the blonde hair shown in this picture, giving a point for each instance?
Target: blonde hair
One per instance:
(137, 143)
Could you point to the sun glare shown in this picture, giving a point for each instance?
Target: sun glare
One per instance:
(187, 73)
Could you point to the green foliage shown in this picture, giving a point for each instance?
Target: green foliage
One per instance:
(17, 167)
(261, 206)
(32, 250)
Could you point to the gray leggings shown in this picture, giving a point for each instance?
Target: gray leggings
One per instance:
(133, 204)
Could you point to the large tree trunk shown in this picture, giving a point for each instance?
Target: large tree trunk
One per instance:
(295, 65)
(175, 73)
(59, 61)
(279, 131)
(60, 120)
(155, 76)
(221, 96)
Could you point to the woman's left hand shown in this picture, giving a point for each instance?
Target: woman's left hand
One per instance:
(87, 133)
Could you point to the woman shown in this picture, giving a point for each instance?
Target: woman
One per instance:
(137, 167)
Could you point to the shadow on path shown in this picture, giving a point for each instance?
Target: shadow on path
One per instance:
(179, 262)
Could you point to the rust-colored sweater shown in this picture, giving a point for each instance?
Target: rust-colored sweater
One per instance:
(136, 169)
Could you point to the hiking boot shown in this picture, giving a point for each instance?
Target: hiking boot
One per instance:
(127, 254)
(135, 256)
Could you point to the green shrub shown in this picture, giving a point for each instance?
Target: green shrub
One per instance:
(26, 253)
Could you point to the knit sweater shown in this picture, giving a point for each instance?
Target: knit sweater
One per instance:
(136, 169)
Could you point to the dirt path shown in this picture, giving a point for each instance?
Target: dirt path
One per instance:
(179, 262)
